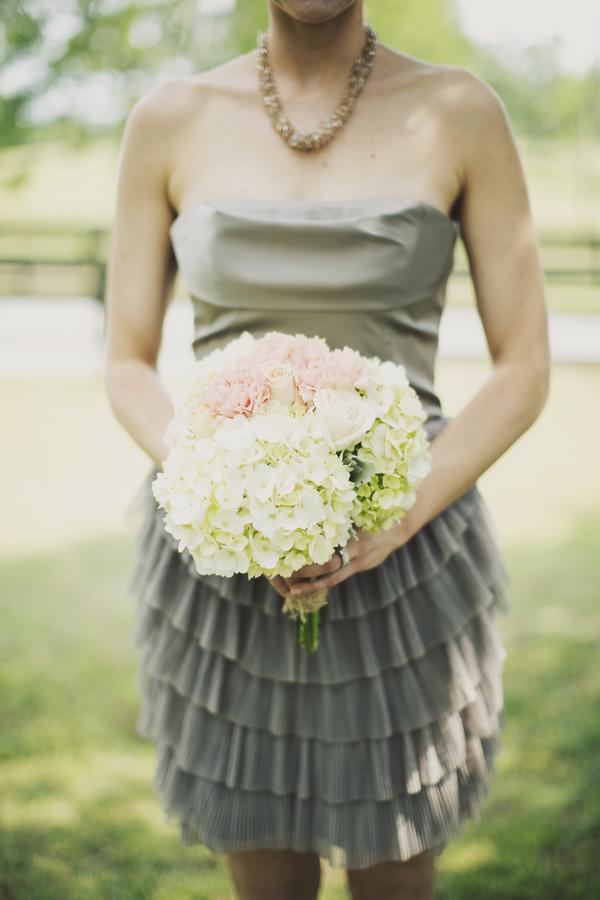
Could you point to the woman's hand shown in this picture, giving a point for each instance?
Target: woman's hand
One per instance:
(280, 584)
(366, 551)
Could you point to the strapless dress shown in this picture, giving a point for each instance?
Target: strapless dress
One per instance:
(383, 742)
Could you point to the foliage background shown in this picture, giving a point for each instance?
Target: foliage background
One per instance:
(79, 819)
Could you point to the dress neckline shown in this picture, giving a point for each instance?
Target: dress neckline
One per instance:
(394, 203)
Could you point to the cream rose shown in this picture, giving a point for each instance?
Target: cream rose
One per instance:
(280, 378)
(202, 424)
(343, 416)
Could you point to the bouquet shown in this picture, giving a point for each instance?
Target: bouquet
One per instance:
(279, 449)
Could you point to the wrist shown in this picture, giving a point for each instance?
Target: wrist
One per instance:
(404, 530)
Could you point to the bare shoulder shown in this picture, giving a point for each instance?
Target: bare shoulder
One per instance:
(170, 103)
(479, 131)
(455, 90)
(472, 102)
(165, 104)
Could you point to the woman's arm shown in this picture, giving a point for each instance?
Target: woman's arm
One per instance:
(501, 243)
(500, 239)
(141, 273)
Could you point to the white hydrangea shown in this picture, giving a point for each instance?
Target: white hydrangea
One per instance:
(268, 494)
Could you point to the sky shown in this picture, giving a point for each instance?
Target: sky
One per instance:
(574, 24)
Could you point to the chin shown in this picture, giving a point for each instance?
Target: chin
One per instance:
(313, 10)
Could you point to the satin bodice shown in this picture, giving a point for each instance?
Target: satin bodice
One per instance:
(369, 273)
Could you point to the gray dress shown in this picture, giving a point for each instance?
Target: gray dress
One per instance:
(383, 742)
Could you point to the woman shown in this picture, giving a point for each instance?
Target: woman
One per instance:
(348, 234)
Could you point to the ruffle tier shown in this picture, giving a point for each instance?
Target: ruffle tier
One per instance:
(351, 835)
(377, 746)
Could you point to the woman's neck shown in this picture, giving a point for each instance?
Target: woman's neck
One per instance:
(313, 56)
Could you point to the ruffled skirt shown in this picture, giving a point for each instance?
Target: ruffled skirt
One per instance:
(378, 746)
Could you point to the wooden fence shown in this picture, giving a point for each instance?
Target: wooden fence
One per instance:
(67, 260)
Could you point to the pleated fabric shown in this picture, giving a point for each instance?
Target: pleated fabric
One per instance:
(377, 746)
(383, 742)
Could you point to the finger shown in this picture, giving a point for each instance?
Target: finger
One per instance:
(353, 545)
(280, 585)
(327, 581)
(315, 571)
(306, 572)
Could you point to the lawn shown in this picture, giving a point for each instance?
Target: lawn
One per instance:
(79, 817)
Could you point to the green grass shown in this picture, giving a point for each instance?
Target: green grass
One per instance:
(539, 834)
(79, 816)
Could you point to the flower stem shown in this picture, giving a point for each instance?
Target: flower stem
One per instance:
(307, 631)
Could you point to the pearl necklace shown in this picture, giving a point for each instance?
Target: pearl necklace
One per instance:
(314, 140)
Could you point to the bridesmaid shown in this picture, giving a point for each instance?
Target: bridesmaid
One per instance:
(285, 123)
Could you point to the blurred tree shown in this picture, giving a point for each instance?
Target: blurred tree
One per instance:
(429, 29)
(543, 100)
(72, 70)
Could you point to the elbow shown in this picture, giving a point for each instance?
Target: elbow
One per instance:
(111, 381)
(526, 362)
(111, 370)
(106, 373)
(117, 374)
(529, 389)
(539, 386)
(117, 368)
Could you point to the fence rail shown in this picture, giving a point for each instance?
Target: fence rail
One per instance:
(71, 260)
